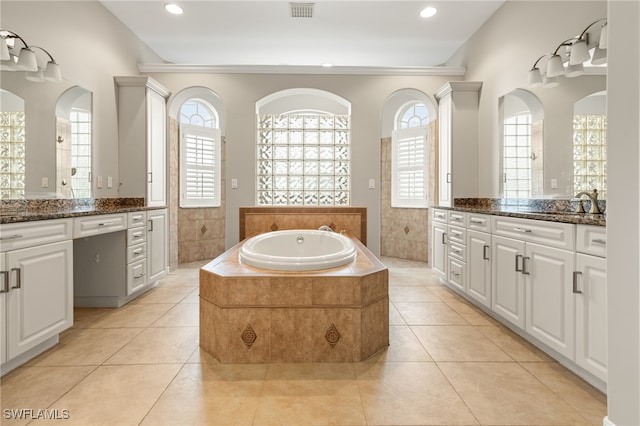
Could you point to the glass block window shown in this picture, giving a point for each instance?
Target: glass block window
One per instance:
(409, 157)
(303, 159)
(81, 153)
(200, 155)
(12, 154)
(590, 153)
(517, 156)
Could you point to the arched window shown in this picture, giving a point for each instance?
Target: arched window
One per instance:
(409, 157)
(200, 155)
(303, 149)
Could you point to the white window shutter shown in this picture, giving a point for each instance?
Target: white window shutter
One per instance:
(200, 164)
(409, 168)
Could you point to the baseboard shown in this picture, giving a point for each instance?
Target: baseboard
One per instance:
(607, 422)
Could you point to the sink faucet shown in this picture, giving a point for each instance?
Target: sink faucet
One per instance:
(325, 228)
(593, 196)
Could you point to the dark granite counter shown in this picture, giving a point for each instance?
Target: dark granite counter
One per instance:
(14, 211)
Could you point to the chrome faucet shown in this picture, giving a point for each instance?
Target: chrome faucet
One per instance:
(325, 228)
(593, 196)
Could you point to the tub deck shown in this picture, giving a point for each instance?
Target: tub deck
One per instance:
(253, 315)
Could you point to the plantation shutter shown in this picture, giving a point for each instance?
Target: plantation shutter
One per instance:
(200, 163)
(409, 168)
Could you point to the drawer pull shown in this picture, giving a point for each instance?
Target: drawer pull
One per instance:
(455, 274)
(485, 252)
(456, 219)
(135, 277)
(518, 258)
(5, 281)
(524, 265)
(456, 234)
(599, 241)
(18, 278)
(575, 282)
(478, 221)
(444, 236)
(138, 251)
(523, 230)
(12, 237)
(137, 234)
(456, 250)
(106, 224)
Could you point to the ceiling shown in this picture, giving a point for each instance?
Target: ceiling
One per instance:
(356, 33)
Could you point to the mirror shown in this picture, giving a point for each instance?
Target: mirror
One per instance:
(73, 144)
(12, 146)
(589, 144)
(521, 150)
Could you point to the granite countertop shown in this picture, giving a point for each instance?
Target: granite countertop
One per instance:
(28, 216)
(549, 216)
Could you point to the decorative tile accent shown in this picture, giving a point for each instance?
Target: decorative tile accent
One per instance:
(332, 335)
(203, 229)
(406, 230)
(274, 227)
(249, 336)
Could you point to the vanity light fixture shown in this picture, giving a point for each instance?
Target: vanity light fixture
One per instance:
(428, 12)
(576, 54)
(26, 59)
(173, 9)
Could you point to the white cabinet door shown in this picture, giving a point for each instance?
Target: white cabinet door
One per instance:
(157, 243)
(156, 150)
(507, 286)
(4, 288)
(550, 304)
(40, 302)
(444, 152)
(439, 250)
(479, 266)
(591, 314)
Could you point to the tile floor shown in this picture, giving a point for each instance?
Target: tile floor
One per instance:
(448, 364)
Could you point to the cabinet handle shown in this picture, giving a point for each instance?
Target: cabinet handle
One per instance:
(524, 265)
(518, 269)
(137, 234)
(455, 274)
(18, 278)
(106, 224)
(138, 251)
(12, 237)
(478, 221)
(523, 230)
(599, 241)
(150, 177)
(5, 281)
(456, 234)
(575, 282)
(456, 250)
(448, 177)
(150, 225)
(485, 254)
(444, 236)
(135, 277)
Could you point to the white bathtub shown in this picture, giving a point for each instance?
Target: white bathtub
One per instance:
(298, 250)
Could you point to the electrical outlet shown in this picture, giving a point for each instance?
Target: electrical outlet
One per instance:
(99, 182)
(372, 183)
(45, 182)
(554, 183)
(109, 182)
(234, 183)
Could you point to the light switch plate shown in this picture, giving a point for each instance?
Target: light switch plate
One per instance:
(99, 182)
(554, 183)
(372, 183)
(45, 182)
(234, 183)
(109, 182)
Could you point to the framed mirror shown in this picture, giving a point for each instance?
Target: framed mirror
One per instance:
(12, 146)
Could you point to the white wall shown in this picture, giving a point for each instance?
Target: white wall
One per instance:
(239, 93)
(91, 46)
(501, 53)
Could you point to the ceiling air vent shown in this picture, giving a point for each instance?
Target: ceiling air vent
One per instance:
(301, 10)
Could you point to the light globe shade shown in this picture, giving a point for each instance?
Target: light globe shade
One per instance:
(555, 66)
(27, 60)
(579, 53)
(37, 76)
(604, 37)
(574, 70)
(52, 72)
(549, 82)
(599, 56)
(9, 64)
(4, 50)
(428, 12)
(535, 78)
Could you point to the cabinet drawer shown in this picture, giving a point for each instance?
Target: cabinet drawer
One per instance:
(439, 215)
(456, 274)
(135, 219)
(136, 236)
(136, 252)
(479, 222)
(560, 235)
(457, 218)
(458, 235)
(101, 224)
(591, 240)
(458, 251)
(136, 276)
(15, 236)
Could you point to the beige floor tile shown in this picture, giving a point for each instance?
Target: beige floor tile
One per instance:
(445, 294)
(193, 297)
(210, 394)
(407, 393)
(84, 317)
(504, 393)
(471, 314)
(86, 347)
(418, 313)
(512, 344)
(458, 343)
(164, 295)
(133, 316)
(114, 395)
(181, 315)
(162, 345)
(179, 280)
(587, 400)
(403, 293)
(394, 316)
(36, 388)
(403, 346)
(306, 394)
(199, 356)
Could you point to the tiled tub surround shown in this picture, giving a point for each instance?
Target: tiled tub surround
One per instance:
(252, 315)
(13, 211)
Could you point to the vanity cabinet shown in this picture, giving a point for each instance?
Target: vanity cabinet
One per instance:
(507, 281)
(157, 244)
(136, 252)
(479, 266)
(439, 250)
(142, 139)
(457, 140)
(37, 286)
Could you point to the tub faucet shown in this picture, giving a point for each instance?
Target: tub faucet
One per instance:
(325, 228)
(593, 196)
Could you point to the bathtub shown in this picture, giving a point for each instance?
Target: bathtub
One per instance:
(298, 250)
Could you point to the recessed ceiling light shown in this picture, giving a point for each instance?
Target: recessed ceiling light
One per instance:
(428, 12)
(173, 8)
